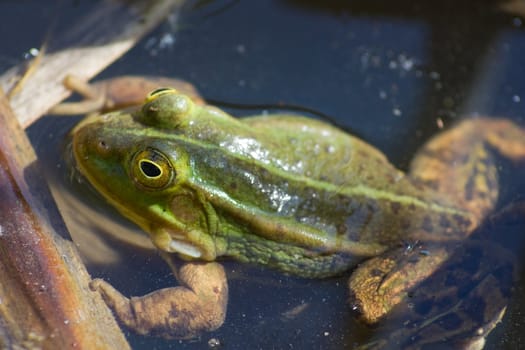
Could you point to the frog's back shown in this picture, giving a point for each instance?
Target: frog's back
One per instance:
(317, 150)
(314, 177)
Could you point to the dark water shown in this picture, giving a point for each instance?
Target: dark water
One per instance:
(390, 71)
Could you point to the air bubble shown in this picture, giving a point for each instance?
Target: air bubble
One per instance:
(397, 112)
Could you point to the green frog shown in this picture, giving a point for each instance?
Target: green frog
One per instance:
(288, 192)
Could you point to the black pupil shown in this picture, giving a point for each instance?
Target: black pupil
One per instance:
(150, 169)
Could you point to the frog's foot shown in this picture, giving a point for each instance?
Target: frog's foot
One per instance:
(457, 307)
(94, 98)
(379, 284)
(197, 306)
(460, 165)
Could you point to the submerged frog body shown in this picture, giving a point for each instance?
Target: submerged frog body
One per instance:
(284, 191)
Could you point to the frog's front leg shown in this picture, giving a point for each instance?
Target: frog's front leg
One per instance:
(197, 306)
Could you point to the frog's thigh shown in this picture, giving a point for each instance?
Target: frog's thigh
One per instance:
(463, 154)
(198, 305)
(379, 284)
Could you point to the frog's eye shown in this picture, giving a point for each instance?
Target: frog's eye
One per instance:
(151, 169)
(165, 108)
(159, 92)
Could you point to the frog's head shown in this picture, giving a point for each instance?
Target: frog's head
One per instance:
(138, 162)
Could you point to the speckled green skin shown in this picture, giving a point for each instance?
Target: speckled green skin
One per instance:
(300, 195)
(280, 190)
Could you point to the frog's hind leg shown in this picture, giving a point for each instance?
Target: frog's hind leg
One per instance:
(456, 308)
(459, 165)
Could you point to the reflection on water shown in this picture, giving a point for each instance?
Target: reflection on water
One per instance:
(395, 72)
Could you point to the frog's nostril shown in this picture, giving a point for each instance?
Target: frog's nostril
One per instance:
(102, 147)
